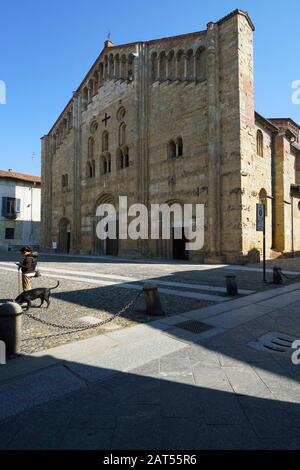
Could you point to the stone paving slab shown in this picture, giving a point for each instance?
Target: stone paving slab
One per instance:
(201, 393)
(34, 389)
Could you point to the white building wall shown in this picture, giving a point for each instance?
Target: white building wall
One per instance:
(27, 223)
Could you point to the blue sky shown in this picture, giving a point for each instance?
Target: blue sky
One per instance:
(48, 46)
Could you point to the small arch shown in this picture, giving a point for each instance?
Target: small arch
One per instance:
(171, 149)
(105, 141)
(162, 66)
(70, 119)
(260, 143)
(130, 72)
(101, 73)
(84, 98)
(111, 66)
(54, 143)
(106, 76)
(121, 113)
(171, 66)
(123, 67)
(200, 64)
(190, 65)
(117, 66)
(154, 67)
(180, 64)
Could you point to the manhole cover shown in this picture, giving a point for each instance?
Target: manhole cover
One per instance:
(194, 326)
(274, 342)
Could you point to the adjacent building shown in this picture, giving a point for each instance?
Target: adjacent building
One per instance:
(20, 196)
(173, 120)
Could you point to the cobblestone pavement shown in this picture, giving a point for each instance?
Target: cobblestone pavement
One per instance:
(77, 295)
(213, 393)
(75, 300)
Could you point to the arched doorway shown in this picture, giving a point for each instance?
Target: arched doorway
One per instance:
(64, 240)
(175, 246)
(107, 247)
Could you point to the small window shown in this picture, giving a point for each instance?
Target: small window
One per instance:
(9, 234)
(260, 143)
(10, 206)
(172, 149)
(64, 181)
(179, 147)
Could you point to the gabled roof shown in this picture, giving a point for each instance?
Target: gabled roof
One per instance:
(20, 176)
(266, 122)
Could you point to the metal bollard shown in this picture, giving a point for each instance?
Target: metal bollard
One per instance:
(153, 304)
(11, 327)
(231, 285)
(277, 276)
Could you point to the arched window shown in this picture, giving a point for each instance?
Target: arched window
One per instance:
(200, 64)
(154, 67)
(117, 66)
(130, 73)
(70, 120)
(105, 141)
(171, 66)
(84, 98)
(101, 73)
(111, 66)
(190, 65)
(95, 82)
(263, 199)
(54, 143)
(260, 143)
(180, 65)
(171, 149)
(122, 134)
(105, 67)
(93, 168)
(179, 147)
(123, 67)
(162, 67)
(91, 148)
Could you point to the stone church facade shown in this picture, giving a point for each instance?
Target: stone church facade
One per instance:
(173, 120)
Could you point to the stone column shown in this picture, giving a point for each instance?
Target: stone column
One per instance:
(46, 192)
(214, 218)
(142, 72)
(76, 181)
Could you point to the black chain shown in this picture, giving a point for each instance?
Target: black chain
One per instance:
(288, 277)
(74, 329)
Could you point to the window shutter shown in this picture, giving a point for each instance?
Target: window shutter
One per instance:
(18, 203)
(4, 204)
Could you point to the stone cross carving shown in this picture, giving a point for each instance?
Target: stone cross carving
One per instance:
(106, 119)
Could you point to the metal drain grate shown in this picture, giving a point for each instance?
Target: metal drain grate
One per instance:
(274, 342)
(194, 326)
